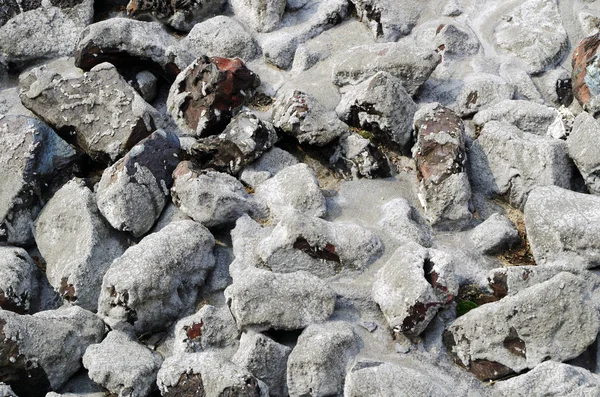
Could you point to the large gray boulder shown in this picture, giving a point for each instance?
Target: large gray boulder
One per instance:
(389, 20)
(260, 15)
(209, 328)
(563, 227)
(527, 116)
(77, 244)
(479, 91)
(495, 234)
(585, 131)
(157, 281)
(404, 223)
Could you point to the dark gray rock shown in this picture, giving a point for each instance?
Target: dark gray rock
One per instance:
(182, 16)
(356, 157)
(404, 223)
(207, 329)
(585, 131)
(18, 280)
(494, 235)
(389, 20)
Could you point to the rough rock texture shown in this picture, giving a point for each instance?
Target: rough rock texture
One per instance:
(260, 15)
(441, 157)
(586, 83)
(41, 352)
(579, 143)
(413, 285)
(207, 93)
(523, 330)
(133, 192)
(317, 365)
(261, 300)
(6, 391)
(356, 157)
(210, 327)
(267, 166)
(404, 223)
(98, 111)
(32, 155)
(18, 280)
(145, 83)
(122, 365)
(480, 90)
(77, 244)
(389, 20)
(494, 235)
(156, 281)
(562, 227)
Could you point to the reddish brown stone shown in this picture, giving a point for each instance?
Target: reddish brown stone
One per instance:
(582, 57)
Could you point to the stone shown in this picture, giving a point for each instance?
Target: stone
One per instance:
(525, 115)
(10, 103)
(6, 391)
(404, 223)
(32, 158)
(209, 197)
(389, 20)
(207, 374)
(267, 166)
(260, 15)
(98, 111)
(456, 41)
(512, 162)
(554, 320)
(585, 77)
(145, 83)
(414, 284)
(585, 131)
(50, 29)
(403, 60)
(440, 154)
(208, 93)
(262, 300)
(589, 22)
(41, 352)
(170, 214)
(496, 234)
(481, 90)
(294, 188)
(300, 115)
(265, 359)
(209, 328)
(77, 244)
(317, 365)
(181, 16)
(245, 238)
(125, 43)
(122, 365)
(525, 89)
(562, 227)
(381, 106)
(133, 192)
(356, 157)
(453, 8)
(245, 139)
(18, 280)
(157, 281)
(533, 32)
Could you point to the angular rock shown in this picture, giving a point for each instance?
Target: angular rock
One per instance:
(98, 112)
(403, 59)
(317, 365)
(33, 155)
(525, 115)
(585, 78)
(261, 300)
(18, 280)
(585, 131)
(145, 84)
(267, 166)
(6, 391)
(563, 227)
(181, 16)
(554, 320)
(208, 93)
(494, 235)
(389, 20)
(170, 214)
(381, 106)
(122, 365)
(440, 153)
(356, 157)
(481, 90)
(41, 352)
(456, 41)
(133, 192)
(300, 115)
(413, 286)
(404, 223)
(265, 359)
(157, 281)
(260, 15)
(10, 103)
(245, 238)
(210, 327)
(534, 33)
(209, 197)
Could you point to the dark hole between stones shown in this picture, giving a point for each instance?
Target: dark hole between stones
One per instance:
(287, 338)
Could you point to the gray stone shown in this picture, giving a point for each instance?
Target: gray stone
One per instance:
(170, 214)
(265, 359)
(294, 188)
(381, 106)
(267, 166)
(18, 280)
(133, 192)
(32, 156)
(157, 281)
(98, 112)
(356, 157)
(181, 16)
(563, 227)
(245, 237)
(481, 90)
(533, 32)
(260, 15)
(553, 320)
(389, 20)
(207, 329)
(456, 41)
(145, 84)
(526, 115)
(494, 235)
(122, 365)
(589, 22)
(43, 351)
(586, 130)
(10, 103)
(209, 197)
(525, 89)
(453, 8)
(77, 244)
(404, 223)
(414, 284)
(261, 300)
(317, 365)
(6, 391)
(300, 115)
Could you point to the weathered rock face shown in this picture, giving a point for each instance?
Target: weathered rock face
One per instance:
(404, 223)
(260, 299)
(209, 328)
(481, 90)
(389, 20)
(122, 365)
(18, 280)
(260, 15)
(562, 227)
(413, 285)
(441, 157)
(495, 234)
(183, 16)
(156, 281)
(98, 111)
(525, 115)
(41, 352)
(579, 143)
(33, 154)
(267, 166)
(133, 192)
(586, 85)
(208, 93)
(356, 157)
(523, 330)
(77, 244)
